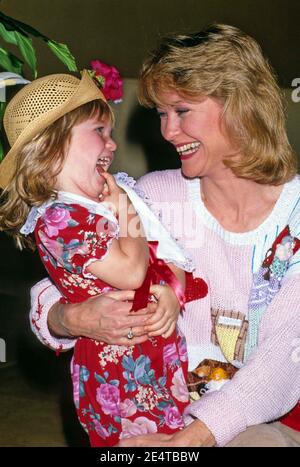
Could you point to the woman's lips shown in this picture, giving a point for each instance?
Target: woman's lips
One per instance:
(187, 150)
(184, 157)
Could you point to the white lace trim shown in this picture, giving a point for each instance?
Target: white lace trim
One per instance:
(34, 214)
(123, 177)
(264, 235)
(277, 217)
(66, 198)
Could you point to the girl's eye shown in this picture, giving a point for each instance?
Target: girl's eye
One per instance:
(100, 129)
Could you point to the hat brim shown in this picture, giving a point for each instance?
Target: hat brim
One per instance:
(87, 91)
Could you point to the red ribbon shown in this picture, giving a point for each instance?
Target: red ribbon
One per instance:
(158, 271)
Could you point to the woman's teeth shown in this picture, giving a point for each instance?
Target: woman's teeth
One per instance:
(187, 149)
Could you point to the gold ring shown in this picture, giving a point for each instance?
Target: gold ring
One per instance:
(130, 335)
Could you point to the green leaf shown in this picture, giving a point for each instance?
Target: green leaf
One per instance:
(10, 62)
(17, 33)
(2, 110)
(8, 36)
(24, 43)
(63, 53)
(12, 24)
(1, 152)
(27, 50)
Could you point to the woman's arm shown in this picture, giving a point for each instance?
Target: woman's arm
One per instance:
(194, 435)
(105, 317)
(44, 295)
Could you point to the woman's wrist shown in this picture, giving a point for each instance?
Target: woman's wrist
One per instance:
(59, 321)
(198, 435)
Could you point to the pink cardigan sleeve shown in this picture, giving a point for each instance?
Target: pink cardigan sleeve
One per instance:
(43, 295)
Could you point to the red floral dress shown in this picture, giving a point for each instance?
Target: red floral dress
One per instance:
(119, 391)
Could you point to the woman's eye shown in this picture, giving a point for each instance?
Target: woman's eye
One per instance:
(161, 114)
(181, 111)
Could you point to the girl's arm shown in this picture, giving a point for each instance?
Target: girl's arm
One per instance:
(126, 264)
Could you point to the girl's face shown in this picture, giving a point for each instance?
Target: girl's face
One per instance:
(194, 129)
(90, 152)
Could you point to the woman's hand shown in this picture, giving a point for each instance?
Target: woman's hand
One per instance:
(105, 318)
(195, 435)
(163, 321)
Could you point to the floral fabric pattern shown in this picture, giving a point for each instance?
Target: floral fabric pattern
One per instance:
(69, 239)
(129, 391)
(118, 391)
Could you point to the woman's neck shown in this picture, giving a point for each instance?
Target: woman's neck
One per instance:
(239, 205)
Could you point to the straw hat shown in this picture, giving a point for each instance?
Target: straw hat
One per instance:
(38, 105)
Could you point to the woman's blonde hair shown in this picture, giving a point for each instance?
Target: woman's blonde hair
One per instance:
(224, 63)
(37, 167)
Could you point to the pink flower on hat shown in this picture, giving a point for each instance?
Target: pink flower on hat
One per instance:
(113, 83)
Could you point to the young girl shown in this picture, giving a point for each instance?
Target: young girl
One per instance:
(57, 187)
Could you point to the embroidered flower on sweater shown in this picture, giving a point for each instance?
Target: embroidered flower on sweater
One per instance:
(278, 257)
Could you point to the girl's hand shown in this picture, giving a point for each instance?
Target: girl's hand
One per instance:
(113, 194)
(195, 435)
(163, 321)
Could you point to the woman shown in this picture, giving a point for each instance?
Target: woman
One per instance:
(235, 206)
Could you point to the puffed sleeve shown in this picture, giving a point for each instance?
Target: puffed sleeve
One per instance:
(71, 237)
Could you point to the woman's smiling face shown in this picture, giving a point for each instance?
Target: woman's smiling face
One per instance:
(194, 129)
